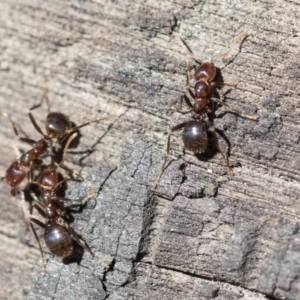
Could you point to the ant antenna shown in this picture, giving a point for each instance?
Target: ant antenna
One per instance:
(239, 37)
(187, 50)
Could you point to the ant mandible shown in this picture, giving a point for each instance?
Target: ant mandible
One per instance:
(194, 134)
(58, 128)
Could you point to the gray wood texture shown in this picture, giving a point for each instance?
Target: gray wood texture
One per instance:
(201, 234)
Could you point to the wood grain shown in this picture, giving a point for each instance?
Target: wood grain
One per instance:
(202, 234)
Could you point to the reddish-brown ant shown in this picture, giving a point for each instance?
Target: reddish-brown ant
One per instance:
(57, 231)
(58, 128)
(194, 135)
(48, 177)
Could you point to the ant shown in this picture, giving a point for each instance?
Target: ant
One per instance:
(57, 231)
(49, 177)
(58, 129)
(194, 136)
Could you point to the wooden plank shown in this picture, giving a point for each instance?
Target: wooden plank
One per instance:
(118, 59)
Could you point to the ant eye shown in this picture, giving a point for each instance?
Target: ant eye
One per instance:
(57, 125)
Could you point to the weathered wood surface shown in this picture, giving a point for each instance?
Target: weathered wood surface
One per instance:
(207, 236)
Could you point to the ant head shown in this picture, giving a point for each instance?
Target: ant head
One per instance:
(206, 72)
(57, 125)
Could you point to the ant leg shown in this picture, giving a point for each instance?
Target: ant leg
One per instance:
(187, 101)
(44, 96)
(213, 131)
(236, 111)
(31, 180)
(177, 127)
(25, 210)
(30, 175)
(230, 108)
(239, 37)
(234, 84)
(40, 207)
(59, 185)
(82, 199)
(188, 76)
(221, 84)
(64, 167)
(61, 165)
(84, 246)
(84, 124)
(23, 139)
(38, 222)
(187, 50)
(188, 73)
(68, 143)
(47, 187)
(191, 93)
(87, 182)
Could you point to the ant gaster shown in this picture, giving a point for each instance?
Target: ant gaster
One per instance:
(194, 134)
(58, 128)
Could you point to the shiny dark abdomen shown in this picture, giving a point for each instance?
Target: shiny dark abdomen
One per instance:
(58, 240)
(195, 136)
